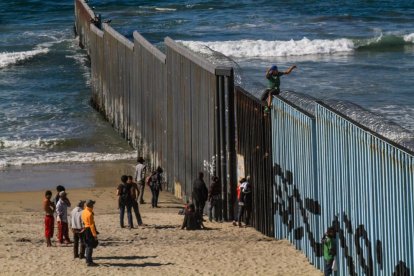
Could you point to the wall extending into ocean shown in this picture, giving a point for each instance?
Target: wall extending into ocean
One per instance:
(310, 168)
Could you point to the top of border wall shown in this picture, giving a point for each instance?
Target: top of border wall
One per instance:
(190, 55)
(96, 30)
(295, 107)
(87, 8)
(151, 48)
(250, 96)
(118, 36)
(400, 147)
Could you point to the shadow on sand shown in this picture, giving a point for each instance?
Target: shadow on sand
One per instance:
(134, 265)
(124, 257)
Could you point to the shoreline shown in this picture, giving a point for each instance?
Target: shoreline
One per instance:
(159, 247)
(71, 175)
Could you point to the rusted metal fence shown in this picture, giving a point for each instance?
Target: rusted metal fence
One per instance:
(308, 171)
(254, 157)
(175, 108)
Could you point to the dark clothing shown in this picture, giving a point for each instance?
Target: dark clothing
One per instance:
(245, 203)
(136, 211)
(90, 243)
(214, 196)
(125, 195)
(63, 232)
(200, 195)
(269, 91)
(328, 268)
(155, 194)
(129, 215)
(215, 204)
(78, 240)
(192, 220)
(141, 186)
(156, 187)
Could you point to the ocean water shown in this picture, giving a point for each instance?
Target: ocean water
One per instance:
(358, 51)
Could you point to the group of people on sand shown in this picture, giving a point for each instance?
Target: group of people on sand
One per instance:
(131, 191)
(85, 235)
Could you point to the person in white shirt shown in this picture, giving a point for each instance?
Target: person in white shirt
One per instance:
(62, 218)
(77, 230)
(140, 178)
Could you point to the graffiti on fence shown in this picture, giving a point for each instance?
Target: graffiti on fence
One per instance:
(286, 208)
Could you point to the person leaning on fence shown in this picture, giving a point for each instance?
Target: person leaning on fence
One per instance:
(214, 197)
(329, 250)
(200, 193)
(273, 77)
(77, 230)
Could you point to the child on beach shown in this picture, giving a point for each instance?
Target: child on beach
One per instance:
(49, 208)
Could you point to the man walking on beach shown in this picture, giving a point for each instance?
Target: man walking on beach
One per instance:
(49, 208)
(77, 230)
(200, 193)
(124, 200)
(140, 178)
(62, 218)
(90, 233)
(156, 186)
(135, 194)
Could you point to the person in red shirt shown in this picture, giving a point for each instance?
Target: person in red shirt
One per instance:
(49, 208)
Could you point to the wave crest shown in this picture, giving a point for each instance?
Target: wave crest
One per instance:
(10, 58)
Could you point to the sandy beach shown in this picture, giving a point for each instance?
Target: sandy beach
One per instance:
(158, 248)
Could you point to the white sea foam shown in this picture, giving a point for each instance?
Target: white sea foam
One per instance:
(64, 157)
(262, 48)
(25, 144)
(9, 58)
(165, 9)
(409, 38)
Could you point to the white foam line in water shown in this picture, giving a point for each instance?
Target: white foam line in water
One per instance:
(7, 58)
(262, 48)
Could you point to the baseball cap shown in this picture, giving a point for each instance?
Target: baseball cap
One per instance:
(273, 68)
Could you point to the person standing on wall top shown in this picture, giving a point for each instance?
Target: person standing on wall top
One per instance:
(329, 250)
(124, 200)
(200, 193)
(273, 76)
(140, 178)
(77, 230)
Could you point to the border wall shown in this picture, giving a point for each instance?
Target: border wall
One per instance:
(157, 102)
(308, 171)
(332, 172)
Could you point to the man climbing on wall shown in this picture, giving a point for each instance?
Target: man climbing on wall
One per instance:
(273, 88)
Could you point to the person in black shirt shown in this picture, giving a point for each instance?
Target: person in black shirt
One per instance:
(125, 200)
(200, 193)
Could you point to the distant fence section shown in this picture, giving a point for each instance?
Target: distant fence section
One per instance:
(332, 172)
(308, 171)
(175, 108)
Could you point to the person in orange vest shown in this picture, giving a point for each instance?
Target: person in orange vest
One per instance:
(90, 232)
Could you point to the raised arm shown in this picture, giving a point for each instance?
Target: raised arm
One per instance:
(287, 72)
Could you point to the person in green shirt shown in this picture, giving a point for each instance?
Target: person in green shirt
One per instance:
(273, 88)
(329, 250)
